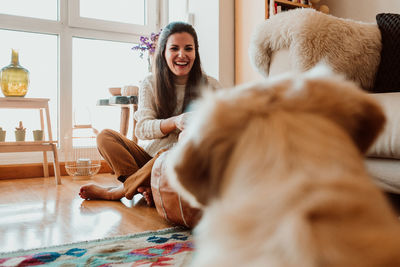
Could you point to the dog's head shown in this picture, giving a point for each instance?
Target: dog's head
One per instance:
(228, 119)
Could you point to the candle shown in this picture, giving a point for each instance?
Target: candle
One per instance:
(83, 167)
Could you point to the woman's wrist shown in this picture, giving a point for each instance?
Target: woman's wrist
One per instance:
(168, 125)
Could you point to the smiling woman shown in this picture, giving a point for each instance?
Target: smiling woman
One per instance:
(180, 55)
(163, 97)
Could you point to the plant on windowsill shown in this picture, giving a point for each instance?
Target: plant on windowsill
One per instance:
(148, 46)
(20, 132)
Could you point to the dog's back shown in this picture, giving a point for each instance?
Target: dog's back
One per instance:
(299, 196)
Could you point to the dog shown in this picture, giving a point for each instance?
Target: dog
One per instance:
(278, 169)
(312, 36)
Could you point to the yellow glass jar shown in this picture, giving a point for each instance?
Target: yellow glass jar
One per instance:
(14, 78)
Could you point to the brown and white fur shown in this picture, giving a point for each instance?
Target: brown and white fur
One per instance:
(351, 47)
(278, 167)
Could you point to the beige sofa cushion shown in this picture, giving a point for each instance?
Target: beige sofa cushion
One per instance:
(388, 143)
(280, 62)
(385, 173)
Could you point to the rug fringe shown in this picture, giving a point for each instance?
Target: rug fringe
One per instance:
(106, 239)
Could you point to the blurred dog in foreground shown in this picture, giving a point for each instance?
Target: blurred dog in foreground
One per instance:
(278, 168)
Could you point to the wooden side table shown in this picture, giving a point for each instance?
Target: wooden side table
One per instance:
(125, 103)
(49, 145)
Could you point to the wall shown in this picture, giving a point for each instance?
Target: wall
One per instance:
(214, 23)
(362, 10)
(248, 14)
(226, 42)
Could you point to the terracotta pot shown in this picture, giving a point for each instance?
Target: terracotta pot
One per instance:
(38, 135)
(2, 136)
(19, 135)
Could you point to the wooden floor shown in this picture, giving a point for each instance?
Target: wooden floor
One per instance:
(36, 213)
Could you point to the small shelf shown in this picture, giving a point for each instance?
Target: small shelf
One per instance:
(31, 146)
(290, 3)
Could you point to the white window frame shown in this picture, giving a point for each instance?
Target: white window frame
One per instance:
(151, 23)
(66, 32)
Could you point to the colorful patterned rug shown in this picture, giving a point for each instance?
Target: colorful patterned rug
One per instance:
(168, 247)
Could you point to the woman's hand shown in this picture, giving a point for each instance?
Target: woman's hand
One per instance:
(180, 121)
(173, 123)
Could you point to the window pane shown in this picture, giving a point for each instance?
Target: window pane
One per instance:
(127, 11)
(98, 65)
(38, 54)
(177, 10)
(43, 9)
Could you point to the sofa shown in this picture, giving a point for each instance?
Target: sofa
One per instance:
(365, 53)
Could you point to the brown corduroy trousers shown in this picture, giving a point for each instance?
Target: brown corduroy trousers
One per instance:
(124, 156)
(130, 162)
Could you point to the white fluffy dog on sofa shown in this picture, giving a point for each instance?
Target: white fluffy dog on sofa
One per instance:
(278, 167)
(312, 36)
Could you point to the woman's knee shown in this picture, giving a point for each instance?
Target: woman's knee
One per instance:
(105, 136)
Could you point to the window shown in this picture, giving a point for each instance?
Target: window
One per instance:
(125, 11)
(42, 9)
(74, 51)
(96, 66)
(178, 10)
(37, 53)
(129, 16)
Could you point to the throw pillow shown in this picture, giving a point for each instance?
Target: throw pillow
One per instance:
(168, 202)
(388, 75)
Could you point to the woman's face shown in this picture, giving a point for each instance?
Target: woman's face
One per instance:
(180, 55)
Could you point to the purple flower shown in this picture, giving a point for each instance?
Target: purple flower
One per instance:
(147, 44)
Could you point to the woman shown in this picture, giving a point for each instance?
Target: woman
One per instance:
(163, 98)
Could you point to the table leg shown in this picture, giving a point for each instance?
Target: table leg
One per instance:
(134, 138)
(57, 172)
(45, 162)
(124, 124)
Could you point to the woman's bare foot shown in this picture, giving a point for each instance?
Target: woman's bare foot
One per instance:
(146, 192)
(92, 191)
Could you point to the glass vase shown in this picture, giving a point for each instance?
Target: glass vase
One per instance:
(14, 78)
(149, 63)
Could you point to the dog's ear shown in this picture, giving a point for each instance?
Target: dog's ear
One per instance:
(369, 122)
(346, 104)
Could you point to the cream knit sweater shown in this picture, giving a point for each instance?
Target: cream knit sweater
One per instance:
(148, 129)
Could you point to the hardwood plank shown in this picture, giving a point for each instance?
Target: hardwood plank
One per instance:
(37, 213)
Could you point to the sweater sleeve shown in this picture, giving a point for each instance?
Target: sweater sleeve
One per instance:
(147, 126)
(213, 83)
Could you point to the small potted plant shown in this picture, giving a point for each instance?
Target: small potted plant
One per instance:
(20, 132)
(37, 135)
(2, 135)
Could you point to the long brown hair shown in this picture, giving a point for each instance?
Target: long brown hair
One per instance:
(165, 91)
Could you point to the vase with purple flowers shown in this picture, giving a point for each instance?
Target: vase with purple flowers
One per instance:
(147, 45)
